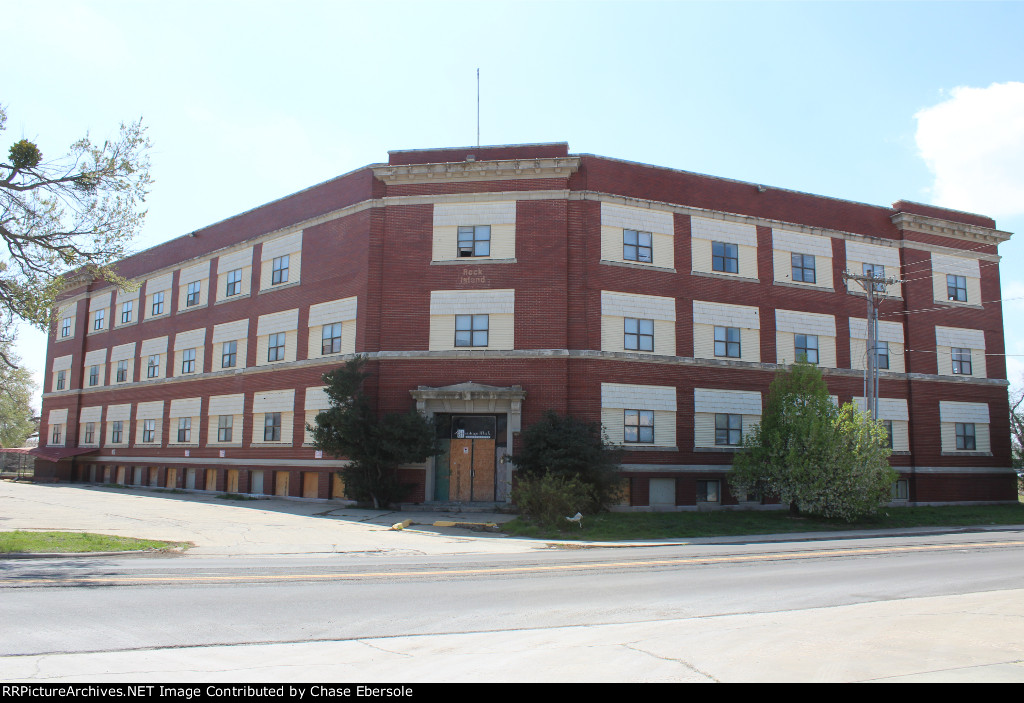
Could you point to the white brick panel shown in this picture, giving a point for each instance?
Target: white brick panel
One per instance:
(805, 323)
(952, 411)
(239, 329)
(493, 213)
(711, 400)
(91, 414)
(619, 395)
(58, 417)
(99, 302)
(62, 363)
(122, 352)
(705, 313)
(956, 265)
(287, 244)
(196, 272)
(226, 405)
(638, 218)
(119, 413)
(190, 339)
(800, 243)
(149, 411)
(274, 401)
(722, 231)
(159, 283)
(888, 408)
(284, 321)
(234, 260)
(874, 254)
(96, 356)
(157, 345)
(959, 337)
(185, 407)
(887, 331)
(316, 398)
(472, 302)
(332, 311)
(647, 307)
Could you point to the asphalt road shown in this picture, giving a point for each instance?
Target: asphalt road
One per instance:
(249, 605)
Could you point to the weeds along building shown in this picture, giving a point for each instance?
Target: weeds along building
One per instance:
(487, 285)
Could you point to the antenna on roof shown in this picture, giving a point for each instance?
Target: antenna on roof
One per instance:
(478, 107)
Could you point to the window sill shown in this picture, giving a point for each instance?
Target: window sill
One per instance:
(959, 304)
(725, 276)
(645, 448)
(161, 316)
(119, 325)
(634, 265)
(472, 260)
(233, 298)
(804, 286)
(279, 286)
(718, 450)
(964, 452)
(192, 308)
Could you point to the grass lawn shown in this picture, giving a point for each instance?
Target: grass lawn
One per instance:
(66, 542)
(632, 526)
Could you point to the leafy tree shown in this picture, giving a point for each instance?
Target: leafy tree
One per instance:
(76, 213)
(1017, 429)
(818, 458)
(17, 419)
(374, 446)
(570, 448)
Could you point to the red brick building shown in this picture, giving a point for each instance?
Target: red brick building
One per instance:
(490, 284)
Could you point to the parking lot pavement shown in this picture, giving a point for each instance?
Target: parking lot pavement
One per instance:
(224, 527)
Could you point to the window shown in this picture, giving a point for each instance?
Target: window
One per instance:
(474, 241)
(98, 320)
(956, 288)
(158, 303)
(65, 327)
(965, 436)
(234, 283)
(148, 430)
(275, 347)
(60, 380)
(639, 334)
(116, 430)
(901, 490)
(638, 426)
(272, 427)
(876, 271)
(224, 426)
(728, 429)
(184, 429)
(709, 491)
(122, 371)
(727, 342)
(331, 339)
(803, 268)
(888, 433)
(126, 311)
(94, 375)
(279, 270)
(153, 367)
(725, 257)
(882, 355)
(471, 330)
(188, 361)
(90, 432)
(636, 246)
(961, 361)
(806, 346)
(55, 436)
(192, 293)
(228, 355)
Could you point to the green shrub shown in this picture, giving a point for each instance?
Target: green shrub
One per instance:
(547, 500)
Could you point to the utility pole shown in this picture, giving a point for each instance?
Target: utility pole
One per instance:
(875, 287)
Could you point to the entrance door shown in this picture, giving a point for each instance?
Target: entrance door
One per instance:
(232, 480)
(280, 483)
(471, 458)
(310, 484)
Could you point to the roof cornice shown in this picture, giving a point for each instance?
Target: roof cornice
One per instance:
(949, 228)
(502, 170)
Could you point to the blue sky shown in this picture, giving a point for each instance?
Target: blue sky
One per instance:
(250, 101)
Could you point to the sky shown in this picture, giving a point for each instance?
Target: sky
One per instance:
(247, 102)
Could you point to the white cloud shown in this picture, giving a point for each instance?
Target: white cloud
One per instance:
(974, 144)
